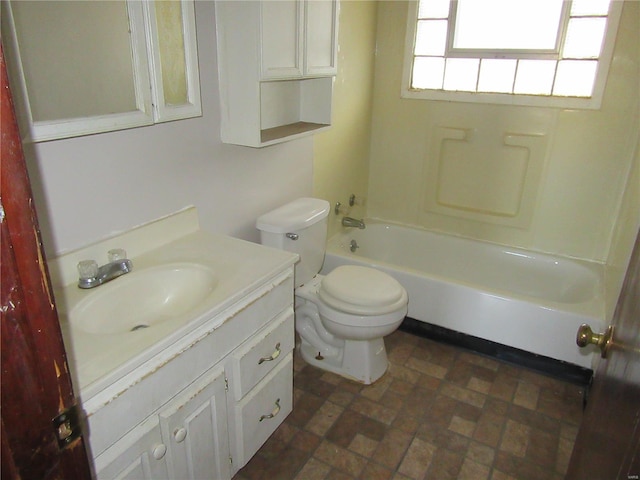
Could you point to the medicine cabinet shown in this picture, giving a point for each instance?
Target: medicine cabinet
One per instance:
(276, 66)
(79, 68)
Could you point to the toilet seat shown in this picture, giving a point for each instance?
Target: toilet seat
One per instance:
(362, 291)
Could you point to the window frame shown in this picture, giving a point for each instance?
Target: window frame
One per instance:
(593, 102)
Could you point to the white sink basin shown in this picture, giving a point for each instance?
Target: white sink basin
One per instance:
(142, 299)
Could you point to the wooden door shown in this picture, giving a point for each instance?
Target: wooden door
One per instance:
(36, 385)
(608, 443)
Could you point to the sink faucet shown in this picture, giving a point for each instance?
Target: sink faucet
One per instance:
(352, 222)
(92, 276)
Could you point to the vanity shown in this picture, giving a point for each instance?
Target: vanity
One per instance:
(192, 389)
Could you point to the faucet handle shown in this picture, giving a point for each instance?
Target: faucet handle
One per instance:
(87, 269)
(116, 254)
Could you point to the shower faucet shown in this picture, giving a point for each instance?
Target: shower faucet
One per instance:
(352, 222)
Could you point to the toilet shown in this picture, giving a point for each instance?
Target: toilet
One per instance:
(341, 317)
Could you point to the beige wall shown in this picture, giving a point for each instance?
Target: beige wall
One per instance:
(563, 196)
(341, 154)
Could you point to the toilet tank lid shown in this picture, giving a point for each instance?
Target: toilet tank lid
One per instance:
(296, 215)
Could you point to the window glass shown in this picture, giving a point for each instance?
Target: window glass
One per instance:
(434, 9)
(460, 74)
(505, 24)
(535, 77)
(496, 75)
(428, 73)
(575, 78)
(584, 37)
(548, 48)
(582, 8)
(431, 37)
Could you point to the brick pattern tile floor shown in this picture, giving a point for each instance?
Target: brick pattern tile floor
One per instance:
(440, 413)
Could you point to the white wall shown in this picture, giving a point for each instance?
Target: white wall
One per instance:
(90, 187)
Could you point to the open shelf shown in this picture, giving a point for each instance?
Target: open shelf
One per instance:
(284, 131)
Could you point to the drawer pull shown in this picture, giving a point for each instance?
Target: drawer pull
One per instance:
(273, 356)
(273, 413)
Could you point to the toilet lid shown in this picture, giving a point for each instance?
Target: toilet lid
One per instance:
(362, 291)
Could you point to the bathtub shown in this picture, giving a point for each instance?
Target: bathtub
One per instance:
(530, 301)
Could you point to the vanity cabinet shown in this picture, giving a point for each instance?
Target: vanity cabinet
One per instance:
(276, 65)
(208, 406)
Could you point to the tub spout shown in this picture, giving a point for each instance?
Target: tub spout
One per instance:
(352, 222)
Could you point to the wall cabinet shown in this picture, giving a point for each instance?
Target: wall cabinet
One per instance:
(297, 39)
(79, 68)
(276, 65)
(208, 409)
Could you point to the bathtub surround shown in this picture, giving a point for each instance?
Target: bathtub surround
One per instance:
(543, 179)
(624, 234)
(575, 191)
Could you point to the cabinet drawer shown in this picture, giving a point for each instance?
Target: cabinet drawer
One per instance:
(261, 354)
(259, 414)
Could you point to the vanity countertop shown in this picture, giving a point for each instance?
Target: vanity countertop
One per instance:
(99, 361)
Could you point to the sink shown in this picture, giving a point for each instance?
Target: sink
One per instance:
(144, 298)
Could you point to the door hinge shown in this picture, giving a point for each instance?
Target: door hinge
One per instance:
(226, 384)
(230, 460)
(1, 211)
(66, 426)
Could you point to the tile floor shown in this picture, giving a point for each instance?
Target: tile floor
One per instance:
(440, 413)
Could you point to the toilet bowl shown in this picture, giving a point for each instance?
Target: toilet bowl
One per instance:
(341, 317)
(349, 340)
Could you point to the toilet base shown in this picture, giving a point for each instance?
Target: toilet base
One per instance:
(363, 361)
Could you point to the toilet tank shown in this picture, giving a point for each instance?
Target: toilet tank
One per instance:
(299, 227)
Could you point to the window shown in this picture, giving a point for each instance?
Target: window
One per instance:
(525, 52)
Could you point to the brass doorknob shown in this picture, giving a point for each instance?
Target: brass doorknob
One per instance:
(601, 340)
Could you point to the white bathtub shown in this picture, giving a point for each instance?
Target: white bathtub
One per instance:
(530, 301)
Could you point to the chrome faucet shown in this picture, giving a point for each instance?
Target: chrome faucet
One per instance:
(92, 276)
(352, 222)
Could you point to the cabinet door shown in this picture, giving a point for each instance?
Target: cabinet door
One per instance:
(174, 76)
(139, 455)
(321, 37)
(194, 425)
(280, 23)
